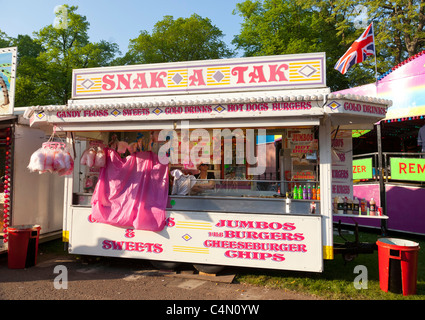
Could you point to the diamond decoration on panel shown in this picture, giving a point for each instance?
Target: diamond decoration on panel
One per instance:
(87, 84)
(177, 78)
(115, 112)
(218, 76)
(186, 237)
(157, 111)
(219, 108)
(307, 71)
(40, 115)
(334, 105)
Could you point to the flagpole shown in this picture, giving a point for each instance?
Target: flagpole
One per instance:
(376, 68)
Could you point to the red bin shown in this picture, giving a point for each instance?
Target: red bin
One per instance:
(22, 246)
(398, 265)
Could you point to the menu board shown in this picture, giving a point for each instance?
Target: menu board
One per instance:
(342, 159)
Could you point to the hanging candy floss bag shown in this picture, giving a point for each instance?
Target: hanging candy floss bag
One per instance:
(52, 157)
(94, 156)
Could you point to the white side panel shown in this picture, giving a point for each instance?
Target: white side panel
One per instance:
(37, 198)
(325, 186)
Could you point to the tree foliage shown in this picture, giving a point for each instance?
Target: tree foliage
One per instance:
(66, 49)
(182, 39)
(274, 27)
(269, 27)
(299, 26)
(45, 62)
(399, 25)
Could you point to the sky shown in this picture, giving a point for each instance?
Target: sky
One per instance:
(118, 21)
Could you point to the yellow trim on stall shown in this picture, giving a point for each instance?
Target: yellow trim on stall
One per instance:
(65, 236)
(328, 252)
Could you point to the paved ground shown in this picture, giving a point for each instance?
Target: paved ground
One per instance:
(121, 279)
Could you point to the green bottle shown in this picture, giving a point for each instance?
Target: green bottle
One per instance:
(296, 192)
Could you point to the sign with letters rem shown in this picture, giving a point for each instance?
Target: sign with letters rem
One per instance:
(241, 74)
(411, 169)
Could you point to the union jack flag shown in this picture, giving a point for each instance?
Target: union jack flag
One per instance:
(361, 48)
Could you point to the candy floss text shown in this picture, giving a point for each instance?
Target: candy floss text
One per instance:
(248, 244)
(82, 113)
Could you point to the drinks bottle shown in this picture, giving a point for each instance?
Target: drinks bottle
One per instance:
(349, 206)
(356, 206)
(363, 206)
(345, 207)
(372, 207)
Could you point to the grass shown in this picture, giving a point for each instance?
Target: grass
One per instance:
(336, 282)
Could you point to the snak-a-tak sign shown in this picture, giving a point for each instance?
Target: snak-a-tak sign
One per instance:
(259, 73)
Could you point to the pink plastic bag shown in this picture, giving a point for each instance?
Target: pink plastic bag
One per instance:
(131, 192)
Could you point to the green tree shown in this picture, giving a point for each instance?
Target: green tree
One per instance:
(301, 26)
(183, 39)
(27, 77)
(5, 41)
(274, 27)
(399, 26)
(45, 68)
(398, 29)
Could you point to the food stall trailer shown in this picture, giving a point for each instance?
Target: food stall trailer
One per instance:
(25, 198)
(151, 125)
(397, 182)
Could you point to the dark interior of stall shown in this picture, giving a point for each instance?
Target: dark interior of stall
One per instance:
(397, 135)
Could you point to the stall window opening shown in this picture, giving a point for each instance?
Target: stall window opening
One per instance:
(271, 162)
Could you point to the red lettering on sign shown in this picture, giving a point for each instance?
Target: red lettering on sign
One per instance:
(157, 80)
(132, 246)
(197, 79)
(239, 72)
(257, 76)
(140, 81)
(275, 71)
(108, 83)
(359, 169)
(411, 168)
(253, 255)
(124, 81)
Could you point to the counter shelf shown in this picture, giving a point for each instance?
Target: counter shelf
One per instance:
(359, 216)
(236, 205)
(229, 204)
